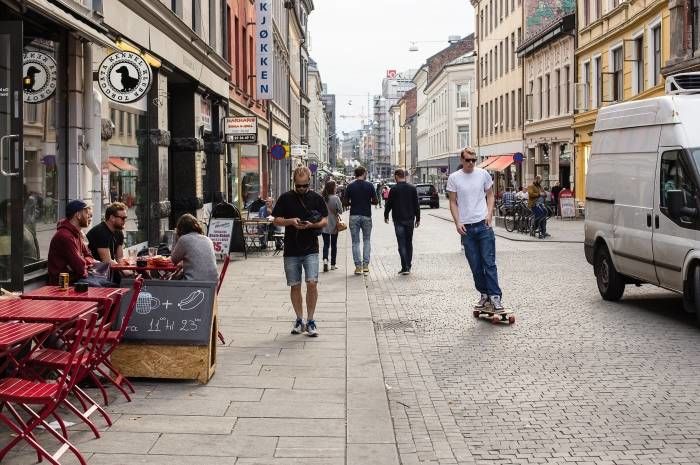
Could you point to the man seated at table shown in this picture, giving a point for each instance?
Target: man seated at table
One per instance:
(107, 238)
(267, 231)
(67, 251)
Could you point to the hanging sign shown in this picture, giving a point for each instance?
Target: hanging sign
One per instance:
(124, 77)
(39, 76)
(278, 152)
(265, 48)
(241, 129)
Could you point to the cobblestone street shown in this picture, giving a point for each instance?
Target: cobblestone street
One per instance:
(575, 380)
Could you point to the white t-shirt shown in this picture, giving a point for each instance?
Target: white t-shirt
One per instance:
(471, 197)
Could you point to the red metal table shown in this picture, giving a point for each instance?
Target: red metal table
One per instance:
(58, 312)
(152, 269)
(15, 336)
(93, 294)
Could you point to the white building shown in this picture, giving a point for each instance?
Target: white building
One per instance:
(318, 120)
(444, 117)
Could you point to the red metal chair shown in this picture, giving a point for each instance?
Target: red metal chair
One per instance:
(222, 275)
(48, 395)
(56, 359)
(112, 340)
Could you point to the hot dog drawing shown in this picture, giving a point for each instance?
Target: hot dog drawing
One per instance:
(192, 301)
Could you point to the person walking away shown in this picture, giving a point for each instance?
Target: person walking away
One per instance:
(106, 240)
(556, 190)
(194, 250)
(385, 193)
(471, 205)
(303, 213)
(361, 195)
(536, 199)
(402, 203)
(378, 192)
(330, 231)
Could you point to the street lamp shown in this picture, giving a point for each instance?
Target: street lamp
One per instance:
(450, 40)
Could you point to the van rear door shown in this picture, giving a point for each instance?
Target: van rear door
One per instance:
(673, 238)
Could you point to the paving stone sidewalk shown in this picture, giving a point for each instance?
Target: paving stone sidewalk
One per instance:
(276, 398)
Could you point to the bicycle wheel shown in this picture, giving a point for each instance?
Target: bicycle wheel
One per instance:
(509, 221)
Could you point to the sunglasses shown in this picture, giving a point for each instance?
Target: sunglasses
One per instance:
(469, 160)
(301, 186)
(121, 217)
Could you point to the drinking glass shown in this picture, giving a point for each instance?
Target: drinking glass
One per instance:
(152, 251)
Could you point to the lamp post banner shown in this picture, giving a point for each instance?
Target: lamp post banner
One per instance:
(264, 47)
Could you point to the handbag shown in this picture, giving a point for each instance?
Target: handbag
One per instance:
(339, 224)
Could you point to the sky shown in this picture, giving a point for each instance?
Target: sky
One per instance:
(355, 42)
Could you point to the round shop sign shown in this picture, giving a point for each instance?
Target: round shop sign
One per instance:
(39, 75)
(124, 77)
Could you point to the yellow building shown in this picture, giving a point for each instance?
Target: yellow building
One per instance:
(622, 46)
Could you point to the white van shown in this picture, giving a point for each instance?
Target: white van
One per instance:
(643, 193)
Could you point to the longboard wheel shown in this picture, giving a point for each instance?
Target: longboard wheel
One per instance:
(477, 313)
(496, 319)
(511, 320)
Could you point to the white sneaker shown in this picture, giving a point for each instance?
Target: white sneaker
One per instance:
(496, 303)
(333, 267)
(482, 302)
(298, 327)
(325, 265)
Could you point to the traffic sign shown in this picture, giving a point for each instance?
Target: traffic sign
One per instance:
(518, 157)
(313, 167)
(278, 152)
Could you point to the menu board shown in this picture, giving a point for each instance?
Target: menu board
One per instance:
(170, 312)
(220, 232)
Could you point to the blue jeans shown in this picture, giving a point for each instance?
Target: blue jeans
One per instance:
(360, 223)
(540, 212)
(480, 250)
(404, 238)
(294, 265)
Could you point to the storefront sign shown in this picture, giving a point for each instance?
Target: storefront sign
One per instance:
(205, 112)
(567, 205)
(39, 76)
(300, 150)
(265, 49)
(220, 232)
(241, 129)
(124, 77)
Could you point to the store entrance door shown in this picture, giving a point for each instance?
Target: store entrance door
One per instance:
(11, 155)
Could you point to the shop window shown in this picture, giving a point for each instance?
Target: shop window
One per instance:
(462, 95)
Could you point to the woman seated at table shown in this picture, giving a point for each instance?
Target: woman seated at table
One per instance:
(194, 250)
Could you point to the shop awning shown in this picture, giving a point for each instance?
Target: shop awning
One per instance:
(502, 162)
(487, 162)
(112, 168)
(73, 20)
(122, 165)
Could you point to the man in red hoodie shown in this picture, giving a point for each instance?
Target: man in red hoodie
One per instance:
(67, 252)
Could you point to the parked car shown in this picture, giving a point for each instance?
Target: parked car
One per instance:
(643, 194)
(428, 195)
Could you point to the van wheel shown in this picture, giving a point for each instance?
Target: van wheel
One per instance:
(611, 284)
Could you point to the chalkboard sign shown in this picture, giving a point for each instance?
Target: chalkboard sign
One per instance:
(170, 312)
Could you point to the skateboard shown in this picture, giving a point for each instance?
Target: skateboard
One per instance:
(495, 317)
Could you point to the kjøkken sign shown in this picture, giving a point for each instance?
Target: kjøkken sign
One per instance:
(265, 50)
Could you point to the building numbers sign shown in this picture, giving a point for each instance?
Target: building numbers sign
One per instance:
(39, 76)
(124, 77)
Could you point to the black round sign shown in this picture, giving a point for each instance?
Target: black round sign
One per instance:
(124, 77)
(39, 74)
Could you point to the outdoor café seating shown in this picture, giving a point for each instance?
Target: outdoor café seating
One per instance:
(51, 340)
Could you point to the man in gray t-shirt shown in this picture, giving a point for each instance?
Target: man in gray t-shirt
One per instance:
(471, 204)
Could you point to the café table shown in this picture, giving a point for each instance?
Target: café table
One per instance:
(106, 296)
(253, 230)
(14, 336)
(153, 269)
(57, 312)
